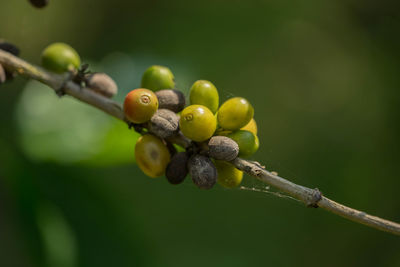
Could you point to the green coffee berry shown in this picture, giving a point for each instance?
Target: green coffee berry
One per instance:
(152, 156)
(171, 99)
(60, 57)
(204, 93)
(223, 148)
(177, 168)
(235, 113)
(158, 77)
(228, 175)
(164, 123)
(202, 171)
(197, 123)
(102, 83)
(247, 142)
(140, 105)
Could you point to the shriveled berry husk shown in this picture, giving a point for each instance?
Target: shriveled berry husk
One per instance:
(102, 84)
(2, 74)
(39, 3)
(164, 123)
(202, 171)
(177, 168)
(223, 148)
(171, 99)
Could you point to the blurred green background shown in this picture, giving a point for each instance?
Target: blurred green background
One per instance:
(323, 77)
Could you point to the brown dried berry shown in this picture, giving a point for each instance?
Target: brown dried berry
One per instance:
(171, 99)
(177, 168)
(102, 84)
(223, 148)
(39, 3)
(202, 171)
(2, 74)
(164, 123)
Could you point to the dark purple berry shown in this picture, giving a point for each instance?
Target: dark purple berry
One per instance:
(177, 168)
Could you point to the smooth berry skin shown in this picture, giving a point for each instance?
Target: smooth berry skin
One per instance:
(177, 170)
(140, 105)
(228, 175)
(158, 77)
(251, 127)
(204, 93)
(247, 141)
(197, 122)
(60, 58)
(152, 156)
(235, 113)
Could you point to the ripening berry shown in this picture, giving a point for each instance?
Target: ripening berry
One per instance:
(177, 169)
(203, 171)
(228, 175)
(204, 93)
(60, 57)
(235, 113)
(171, 99)
(158, 77)
(247, 141)
(102, 84)
(152, 156)
(223, 148)
(140, 105)
(39, 3)
(197, 123)
(251, 127)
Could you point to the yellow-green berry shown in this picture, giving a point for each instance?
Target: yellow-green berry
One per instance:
(152, 156)
(228, 175)
(204, 93)
(60, 57)
(247, 141)
(197, 123)
(158, 77)
(235, 113)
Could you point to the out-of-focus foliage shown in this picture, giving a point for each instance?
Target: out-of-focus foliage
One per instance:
(65, 131)
(321, 75)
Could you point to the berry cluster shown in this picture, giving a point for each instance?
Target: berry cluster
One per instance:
(218, 133)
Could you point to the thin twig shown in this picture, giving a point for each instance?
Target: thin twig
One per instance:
(310, 197)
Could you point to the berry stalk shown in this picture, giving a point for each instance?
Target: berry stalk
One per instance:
(310, 197)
